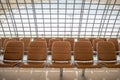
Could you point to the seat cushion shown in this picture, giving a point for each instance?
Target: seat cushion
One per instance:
(32, 65)
(8, 64)
(111, 64)
(61, 65)
(87, 65)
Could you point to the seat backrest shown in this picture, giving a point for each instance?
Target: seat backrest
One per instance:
(82, 39)
(51, 41)
(2, 41)
(14, 50)
(83, 51)
(37, 50)
(95, 42)
(103, 39)
(106, 51)
(91, 40)
(47, 40)
(5, 42)
(39, 39)
(26, 42)
(115, 42)
(61, 51)
(71, 41)
(60, 39)
(16, 38)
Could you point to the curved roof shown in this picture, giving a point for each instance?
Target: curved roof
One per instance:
(75, 18)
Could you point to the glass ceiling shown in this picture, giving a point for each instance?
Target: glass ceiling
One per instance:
(59, 18)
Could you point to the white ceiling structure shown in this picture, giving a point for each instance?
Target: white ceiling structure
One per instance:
(60, 18)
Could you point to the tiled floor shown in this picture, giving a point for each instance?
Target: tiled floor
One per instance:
(53, 74)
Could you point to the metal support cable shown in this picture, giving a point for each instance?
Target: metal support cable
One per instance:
(50, 17)
(65, 19)
(43, 17)
(5, 17)
(35, 19)
(81, 17)
(87, 18)
(73, 18)
(2, 28)
(104, 19)
(101, 22)
(20, 17)
(115, 20)
(28, 18)
(58, 18)
(109, 18)
(13, 20)
(95, 18)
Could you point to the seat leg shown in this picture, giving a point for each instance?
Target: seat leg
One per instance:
(61, 73)
(83, 73)
(76, 72)
(46, 74)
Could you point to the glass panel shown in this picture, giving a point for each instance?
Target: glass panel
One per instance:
(56, 18)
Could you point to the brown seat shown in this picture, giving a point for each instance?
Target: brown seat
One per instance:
(47, 40)
(103, 39)
(39, 39)
(106, 55)
(37, 54)
(71, 40)
(95, 42)
(83, 55)
(5, 43)
(91, 40)
(115, 42)
(61, 55)
(2, 41)
(82, 39)
(16, 38)
(26, 42)
(51, 41)
(60, 39)
(13, 54)
(61, 65)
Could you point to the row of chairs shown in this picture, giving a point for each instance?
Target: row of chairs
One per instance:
(61, 55)
(50, 41)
